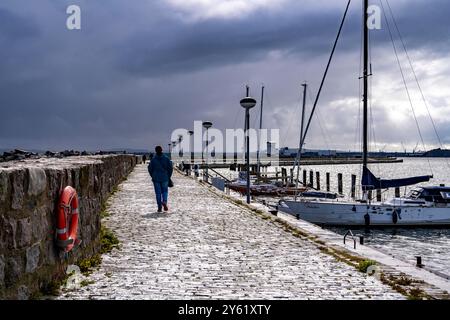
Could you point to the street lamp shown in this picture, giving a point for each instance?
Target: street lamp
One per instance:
(180, 152)
(206, 125)
(247, 103)
(191, 145)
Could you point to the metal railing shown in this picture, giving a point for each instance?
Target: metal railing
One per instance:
(349, 232)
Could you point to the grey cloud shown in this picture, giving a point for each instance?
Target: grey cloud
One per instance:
(136, 71)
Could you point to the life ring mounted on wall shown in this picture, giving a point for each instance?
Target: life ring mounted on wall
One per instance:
(67, 220)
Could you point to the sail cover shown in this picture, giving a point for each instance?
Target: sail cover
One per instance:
(370, 182)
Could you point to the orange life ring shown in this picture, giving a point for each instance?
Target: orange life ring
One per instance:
(67, 220)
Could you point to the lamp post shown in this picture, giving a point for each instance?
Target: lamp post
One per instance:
(174, 143)
(207, 125)
(191, 145)
(180, 152)
(247, 103)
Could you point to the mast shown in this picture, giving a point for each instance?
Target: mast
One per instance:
(297, 160)
(260, 128)
(365, 80)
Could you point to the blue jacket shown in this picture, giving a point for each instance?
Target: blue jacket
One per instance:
(160, 168)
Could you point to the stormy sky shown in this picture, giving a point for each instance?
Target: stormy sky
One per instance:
(139, 69)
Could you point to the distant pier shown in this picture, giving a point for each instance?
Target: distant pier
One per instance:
(288, 162)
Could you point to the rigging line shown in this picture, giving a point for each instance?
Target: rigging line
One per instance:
(291, 119)
(258, 115)
(372, 136)
(416, 78)
(357, 144)
(325, 133)
(236, 117)
(323, 78)
(299, 152)
(322, 130)
(404, 81)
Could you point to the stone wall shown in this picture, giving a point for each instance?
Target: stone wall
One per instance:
(29, 194)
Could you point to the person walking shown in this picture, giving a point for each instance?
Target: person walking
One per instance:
(160, 169)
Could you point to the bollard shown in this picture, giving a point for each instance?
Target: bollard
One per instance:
(397, 192)
(274, 211)
(340, 183)
(419, 262)
(328, 181)
(297, 216)
(284, 176)
(311, 178)
(361, 240)
(318, 180)
(353, 187)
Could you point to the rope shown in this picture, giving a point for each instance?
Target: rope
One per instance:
(291, 119)
(404, 82)
(416, 79)
(324, 76)
(325, 134)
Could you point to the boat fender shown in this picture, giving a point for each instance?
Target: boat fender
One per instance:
(367, 219)
(394, 216)
(354, 208)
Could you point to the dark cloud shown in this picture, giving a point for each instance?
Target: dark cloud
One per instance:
(136, 70)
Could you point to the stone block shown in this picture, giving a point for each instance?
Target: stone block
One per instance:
(17, 194)
(2, 271)
(39, 225)
(23, 293)
(9, 231)
(50, 253)
(33, 254)
(13, 270)
(37, 181)
(24, 232)
(4, 187)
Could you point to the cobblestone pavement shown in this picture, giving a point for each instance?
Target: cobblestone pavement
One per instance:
(208, 248)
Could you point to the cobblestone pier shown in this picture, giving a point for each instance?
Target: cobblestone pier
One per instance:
(207, 247)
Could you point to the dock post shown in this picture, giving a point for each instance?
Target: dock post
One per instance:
(340, 183)
(284, 176)
(318, 180)
(304, 177)
(328, 181)
(378, 195)
(311, 178)
(292, 176)
(353, 188)
(397, 192)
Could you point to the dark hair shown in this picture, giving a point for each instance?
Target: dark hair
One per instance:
(158, 149)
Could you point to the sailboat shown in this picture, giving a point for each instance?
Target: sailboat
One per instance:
(423, 206)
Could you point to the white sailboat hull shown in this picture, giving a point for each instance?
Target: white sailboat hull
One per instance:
(325, 212)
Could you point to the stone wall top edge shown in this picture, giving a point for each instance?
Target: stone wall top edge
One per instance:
(56, 163)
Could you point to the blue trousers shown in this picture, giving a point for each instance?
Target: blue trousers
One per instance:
(161, 191)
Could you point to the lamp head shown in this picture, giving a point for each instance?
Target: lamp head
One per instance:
(248, 103)
(207, 124)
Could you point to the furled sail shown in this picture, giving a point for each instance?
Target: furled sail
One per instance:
(370, 182)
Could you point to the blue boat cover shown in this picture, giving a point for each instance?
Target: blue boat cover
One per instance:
(370, 182)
